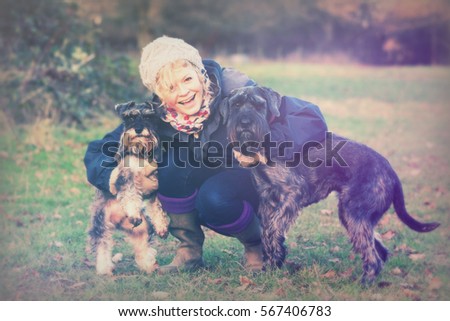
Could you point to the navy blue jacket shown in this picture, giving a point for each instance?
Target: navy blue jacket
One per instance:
(299, 122)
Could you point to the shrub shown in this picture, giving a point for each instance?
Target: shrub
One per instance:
(55, 67)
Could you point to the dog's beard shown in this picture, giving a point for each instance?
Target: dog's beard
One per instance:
(141, 145)
(252, 133)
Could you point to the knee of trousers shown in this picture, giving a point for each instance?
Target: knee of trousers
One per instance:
(218, 205)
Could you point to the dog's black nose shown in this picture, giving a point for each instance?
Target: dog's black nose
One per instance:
(136, 221)
(138, 130)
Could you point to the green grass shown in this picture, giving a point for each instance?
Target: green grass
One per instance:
(401, 112)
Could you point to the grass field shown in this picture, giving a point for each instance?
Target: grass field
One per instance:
(401, 112)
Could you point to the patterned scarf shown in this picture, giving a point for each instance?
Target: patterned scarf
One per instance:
(189, 124)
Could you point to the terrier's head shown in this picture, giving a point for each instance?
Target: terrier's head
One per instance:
(140, 128)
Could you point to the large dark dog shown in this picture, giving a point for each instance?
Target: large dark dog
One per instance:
(365, 182)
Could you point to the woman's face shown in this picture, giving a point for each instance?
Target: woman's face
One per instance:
(186, 92)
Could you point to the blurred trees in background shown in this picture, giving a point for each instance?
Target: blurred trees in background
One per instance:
(369, 31)
(64, 59)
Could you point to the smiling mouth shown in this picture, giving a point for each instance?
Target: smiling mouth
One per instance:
(187, 101)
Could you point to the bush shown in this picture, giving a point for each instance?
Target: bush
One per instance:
(55, 67)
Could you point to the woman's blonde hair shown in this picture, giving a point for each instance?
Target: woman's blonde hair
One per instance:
(165, 79)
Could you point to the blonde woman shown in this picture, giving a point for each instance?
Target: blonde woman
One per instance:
(199, 182)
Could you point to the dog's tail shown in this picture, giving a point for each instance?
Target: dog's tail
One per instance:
(400, 209)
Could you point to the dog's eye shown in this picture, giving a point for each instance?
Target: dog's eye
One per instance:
(259, 106)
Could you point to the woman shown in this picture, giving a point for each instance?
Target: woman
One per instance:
(193, 192)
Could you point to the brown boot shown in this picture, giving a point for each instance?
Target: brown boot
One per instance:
(186, 228)
(250, 237)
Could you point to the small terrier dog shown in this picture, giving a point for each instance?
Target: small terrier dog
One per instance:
(125, 208)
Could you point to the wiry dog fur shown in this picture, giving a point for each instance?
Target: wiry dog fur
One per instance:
(126, 208)
(366, 187)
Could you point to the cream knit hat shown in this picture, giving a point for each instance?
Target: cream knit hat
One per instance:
(162, 51)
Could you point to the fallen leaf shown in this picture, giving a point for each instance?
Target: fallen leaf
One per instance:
(404, 248)
(417, 256)
(117, 257)
(215, 281)
(74, 191)
(385, 220)
(245, 281)
(347, 273)
(57, 244)
(58, 257)
(397, 271)
(283, 282)
(39, 175)
(280, 292)
(389, 235)
(435, 284)
(293, 244)
(411, 294)
(335, 249)
(326, 212)
(160, 295)
(78, 285)
(329, 275)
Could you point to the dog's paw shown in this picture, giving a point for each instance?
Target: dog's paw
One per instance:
(105, 268)
(146, 261)
(158, 218)
(162, 232)
(160, 223)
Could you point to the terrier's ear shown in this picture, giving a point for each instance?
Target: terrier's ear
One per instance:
(120, 108)
(113, 179)
(273, 101)
(224, 110)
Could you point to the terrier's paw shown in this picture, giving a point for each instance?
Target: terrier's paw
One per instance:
(105, 268)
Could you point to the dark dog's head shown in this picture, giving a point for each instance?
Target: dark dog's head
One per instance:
(140, 128)
(248, 112)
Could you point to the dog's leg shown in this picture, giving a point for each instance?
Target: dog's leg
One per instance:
(158, 217)
(100, 234)
(361, 231)
(276, 221)
(145, 255)
(363, 240)
(382, 251)
(104, 264)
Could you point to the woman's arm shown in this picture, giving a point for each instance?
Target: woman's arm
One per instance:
(300, 122)
(99, 159)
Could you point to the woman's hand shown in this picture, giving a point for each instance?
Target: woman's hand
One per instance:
(148, 182)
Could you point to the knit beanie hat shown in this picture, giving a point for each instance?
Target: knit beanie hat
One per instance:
(162, 51)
